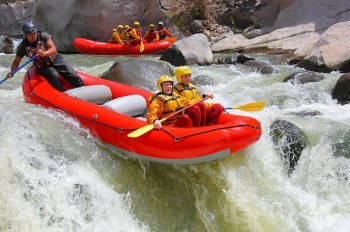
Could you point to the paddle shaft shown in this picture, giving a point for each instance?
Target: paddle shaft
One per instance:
(149, 127)
(19, 68)
(142, 47)
(179, 111)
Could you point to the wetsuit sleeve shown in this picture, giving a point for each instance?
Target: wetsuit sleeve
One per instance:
(155, 110)
(134, 34)
(167, 33)
(157, 37)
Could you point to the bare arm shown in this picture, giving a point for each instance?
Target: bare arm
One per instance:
(51, 49)
(14, 65)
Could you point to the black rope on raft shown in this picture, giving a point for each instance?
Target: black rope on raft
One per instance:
(178, 139)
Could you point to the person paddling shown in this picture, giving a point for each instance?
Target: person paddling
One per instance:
(151, 35)
(165, 103)
(47, 61)
(117, 36)
(135, 34)
(210, 112)
(163, 31)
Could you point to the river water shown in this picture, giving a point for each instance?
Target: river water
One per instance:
(55, 177)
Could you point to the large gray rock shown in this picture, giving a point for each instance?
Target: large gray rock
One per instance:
(341, 91)
(289, 142)
(138, 72)
(191, 50)
(304, 77)
(13, 15)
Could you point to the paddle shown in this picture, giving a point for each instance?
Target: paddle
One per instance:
(142, 47)
(19, 68)
(255, 106)
(149, 127)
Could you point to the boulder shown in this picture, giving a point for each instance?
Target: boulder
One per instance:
(6, 45)
(341, 91)
(256, 66)
(138, 72)
(304, 77)
(190, 50)
(341, 147)
(289, 142)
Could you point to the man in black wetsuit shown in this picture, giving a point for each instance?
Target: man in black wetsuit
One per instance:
(48, 61)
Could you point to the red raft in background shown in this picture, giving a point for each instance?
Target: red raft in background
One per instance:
(91, 47)
(112, 110)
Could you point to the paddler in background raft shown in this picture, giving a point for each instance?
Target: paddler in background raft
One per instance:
(117, 35)
(163, 32)
(210, 112)
(166, 103)
(151, 35)
(126, 33)
(135, 34)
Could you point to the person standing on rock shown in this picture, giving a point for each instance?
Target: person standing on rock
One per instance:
(48, 61)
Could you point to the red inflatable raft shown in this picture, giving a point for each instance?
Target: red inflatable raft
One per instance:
(86, 46)
(111, 111)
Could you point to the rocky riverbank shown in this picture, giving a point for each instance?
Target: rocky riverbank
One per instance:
(311, 33)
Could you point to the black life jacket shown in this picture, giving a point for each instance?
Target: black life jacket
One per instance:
(39, 62)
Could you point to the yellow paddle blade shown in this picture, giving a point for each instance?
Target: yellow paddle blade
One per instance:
(142, 47)
(255, 106)
(141, 131)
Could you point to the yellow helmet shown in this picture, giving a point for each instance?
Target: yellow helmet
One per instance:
(126, 26)
(136, 23)
(182, 70)
(163, 79)
(151, 25)
(120, 26)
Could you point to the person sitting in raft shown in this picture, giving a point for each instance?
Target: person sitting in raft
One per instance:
(47, 61)
(126, 33)
(163, 32)
(117, 35)
(210, 112)
(135, 34)
(165, 103)
(151, 35)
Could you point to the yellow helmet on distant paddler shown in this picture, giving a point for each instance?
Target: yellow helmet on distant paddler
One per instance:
(136, 23)
(120, 26)
(163, 79)
(182, 70)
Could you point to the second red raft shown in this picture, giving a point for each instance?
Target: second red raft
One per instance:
(86, 46)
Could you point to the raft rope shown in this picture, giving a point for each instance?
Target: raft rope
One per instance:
(178, 139)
